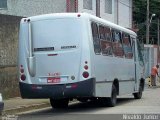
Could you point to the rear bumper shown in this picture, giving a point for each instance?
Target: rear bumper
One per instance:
(74, 90)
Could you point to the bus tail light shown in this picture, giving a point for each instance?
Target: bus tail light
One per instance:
(86, 67)
(85, 74)
(21, 70)
(22, 75)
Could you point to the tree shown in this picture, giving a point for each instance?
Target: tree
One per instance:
(139, 18)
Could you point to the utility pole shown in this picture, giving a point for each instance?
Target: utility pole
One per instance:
(147, 24)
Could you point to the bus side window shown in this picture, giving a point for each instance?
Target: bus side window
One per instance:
(127, 46)
(140, 56)
(96, 40)
(117, 44)
(105, 39)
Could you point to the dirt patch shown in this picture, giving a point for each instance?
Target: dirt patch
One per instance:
(9, 85)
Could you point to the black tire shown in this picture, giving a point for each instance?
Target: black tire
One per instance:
(112, 101)
(60, 103)
(138, 95)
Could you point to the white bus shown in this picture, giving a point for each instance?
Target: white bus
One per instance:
(79, 56)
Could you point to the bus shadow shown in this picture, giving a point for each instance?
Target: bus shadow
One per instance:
(82, 108)
(121, 101)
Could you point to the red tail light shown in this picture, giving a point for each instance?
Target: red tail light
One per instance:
(23, 77)
(85, 74)
(22, 70)
(86, 67)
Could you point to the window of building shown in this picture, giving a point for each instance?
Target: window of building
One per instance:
(108, 6)
(117, 44)
(105, 38)
(127, 46)
(96, 40)
(3, 4)
(87, 4)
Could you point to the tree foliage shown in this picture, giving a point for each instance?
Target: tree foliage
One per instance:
(139, 18)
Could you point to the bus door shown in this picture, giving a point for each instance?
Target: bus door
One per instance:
(139, 63)
(135, 63)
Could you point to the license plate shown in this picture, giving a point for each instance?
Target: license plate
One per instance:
(53, 80)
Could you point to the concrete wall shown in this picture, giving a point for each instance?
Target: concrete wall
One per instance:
(121, 10)
(34, 7)
(9, 26)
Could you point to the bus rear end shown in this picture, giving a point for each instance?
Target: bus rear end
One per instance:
(50, 58)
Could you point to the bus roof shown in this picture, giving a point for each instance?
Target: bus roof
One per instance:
(82, 15)
(112, 25)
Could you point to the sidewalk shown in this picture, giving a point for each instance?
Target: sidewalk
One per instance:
(17, 105)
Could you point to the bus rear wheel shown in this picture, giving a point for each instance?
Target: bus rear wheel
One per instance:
(59, 103)
(138, 95)
(111, 101)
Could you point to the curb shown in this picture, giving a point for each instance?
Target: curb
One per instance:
(25, 108)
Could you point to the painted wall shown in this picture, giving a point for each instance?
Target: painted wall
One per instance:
(125, 13)
(81, 9)
(121, 10)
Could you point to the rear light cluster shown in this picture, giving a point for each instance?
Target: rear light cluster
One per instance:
(85, 73)
(22, 75)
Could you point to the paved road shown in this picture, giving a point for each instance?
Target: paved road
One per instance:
(149, 104)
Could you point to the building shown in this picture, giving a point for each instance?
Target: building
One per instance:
(117, 11)
(11, 11)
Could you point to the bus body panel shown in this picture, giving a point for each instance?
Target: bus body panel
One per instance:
(59, 58)
(108, 68)
(62, 45)
(53, 63)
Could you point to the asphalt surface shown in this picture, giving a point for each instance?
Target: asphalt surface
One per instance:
(146, 108)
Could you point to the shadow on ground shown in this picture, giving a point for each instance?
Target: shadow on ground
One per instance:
(81, 108)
